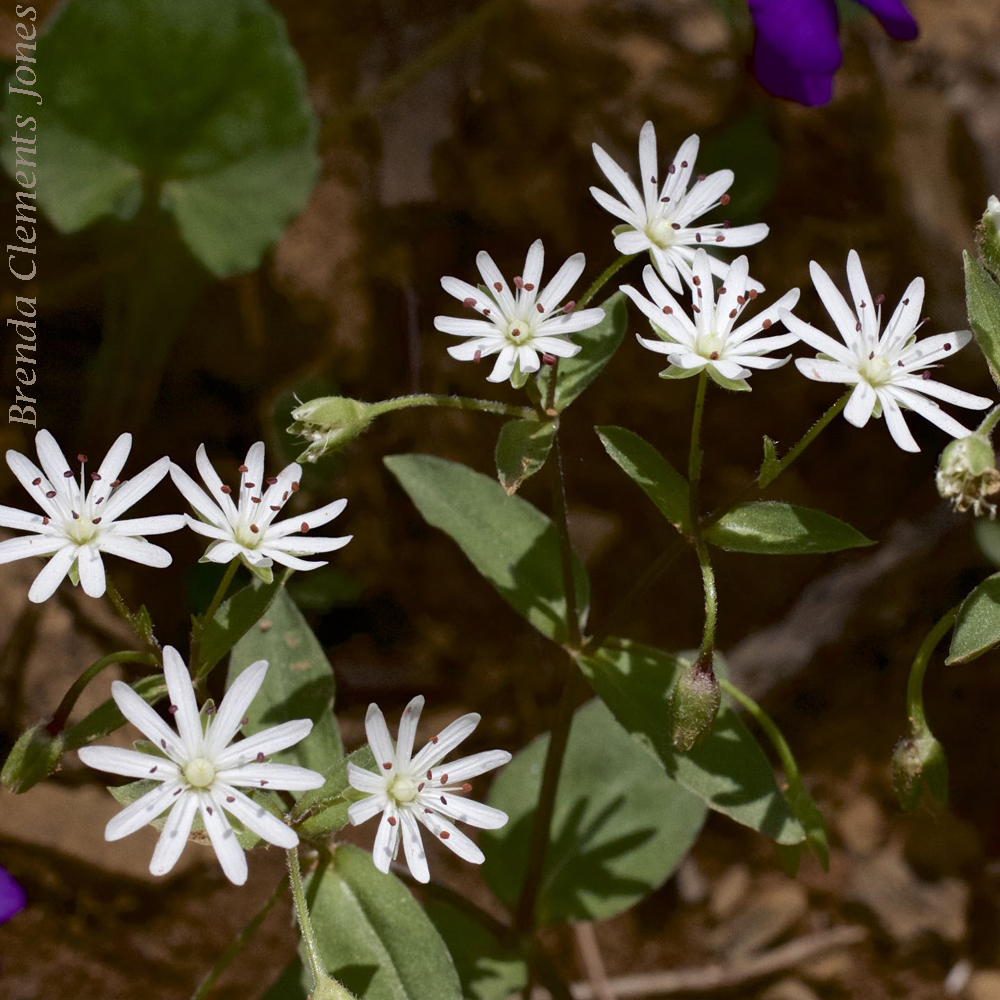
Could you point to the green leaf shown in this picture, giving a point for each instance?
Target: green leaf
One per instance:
(513, 544)
(199, 109)
(598, 344)
(654, 475)
(727, 769)
(619, 829)
(299, 684)
(487, 968)
(106, 718)
(325, 809)
(770, 468)
(769, 528)
(522, 449)
(233, 620)
(372, 934)
(977, 629)
(982, 299)
(34, 756)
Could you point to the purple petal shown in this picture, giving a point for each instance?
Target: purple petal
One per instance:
(12, 897)
(802, 32)
(782, 79)
(894, 17)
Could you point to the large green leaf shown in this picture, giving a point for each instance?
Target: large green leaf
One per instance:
(982, 299)
(977, 629)
(489, 969)
(726, 769)
(323, 811)
(779, 529)
(620, 825)
(650, 471)
(196, 108)
(598, 344)
(373, 936)
(233, 620)
(513, 544)
(522, 449)
(299, 684)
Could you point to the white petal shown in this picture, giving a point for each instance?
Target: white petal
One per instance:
(363, 810)
(533, 264)
(451, 837)
(464, 810)
(133, 490)
(159, 524)
(930, 411)
(363, 780)
(705, 195)
(581, 319)
(144, 810)
(528, 359)
(281, 556)
(835, 304)
(614, 206)
(896, 422)
(482, 346)
(136, 550)
(91, 570)
(254, 463)
(861, 404)
(632, 241)
(34, 545)
(314, 518)
(470, 767)
(504, 366)
(267, 742)
(183, 704)
(860, 292)
(197, 497)
(413, 847)
(53, 461)
(111, 467)
(562, 282)
(52, 574)
(462, 291)
(675, 186)
(621, 181)
(492, 278)
(227, 847)
(647, 166)
(465, 327)
(821, 370)
(935, 348)
(22, 520)
(226, 552)
(299, 546)
(213, 482)
(174, 835)
(408, 723)
(282, 777)
(816, 339)
(27, 472)
(229, 719)
(145, 719)
(757, 361)
(129, 763)
(378, 737)
(255, 817)
(556, 345)
(939, 390)
(387, 839)
(905, 317)
(441, 745)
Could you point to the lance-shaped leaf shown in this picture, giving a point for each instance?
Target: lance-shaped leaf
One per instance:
(512, 544)
(726, 769)
(977, 629)
(196, 108)
(598, 344)
(299, 684)
(780, 529)
(619, 829)
(522, 449)
(233, 620)
(373, 935)
(650, 471)
(982, 299)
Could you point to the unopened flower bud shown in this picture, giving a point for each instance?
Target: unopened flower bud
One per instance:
(919, 766)
(694, 703)
(967, 475)
(989, 235)
(330, 423)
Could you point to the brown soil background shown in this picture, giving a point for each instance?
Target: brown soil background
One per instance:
(491, 150)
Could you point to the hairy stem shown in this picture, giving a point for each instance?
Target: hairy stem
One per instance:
(452, 403)
(604, 277)
(695, 455)
(915, 684)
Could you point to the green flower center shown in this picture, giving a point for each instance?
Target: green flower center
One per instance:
(199, 772)
(519, 332)
(403, 788)
(82, 530)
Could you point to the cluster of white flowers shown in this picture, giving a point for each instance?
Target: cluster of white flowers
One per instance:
(890, 370)
(80, 523)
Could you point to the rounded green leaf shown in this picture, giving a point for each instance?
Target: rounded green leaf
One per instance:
(522, 449)
(198, 108)
(977, 629)
(619, 829)
(982, 298)
(513, 544)
(372, 935)
(779, 529)
(727, 769)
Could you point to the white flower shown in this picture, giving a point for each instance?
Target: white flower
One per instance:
(422, 790)
(246, 529)
(78, 525)
(662, 220)
(712, 340)
(518, 325)
(889, 371)
(201, 772)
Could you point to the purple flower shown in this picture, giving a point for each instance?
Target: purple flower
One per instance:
(12, 898)
(796, 51)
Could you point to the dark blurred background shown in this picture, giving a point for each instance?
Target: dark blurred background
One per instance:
(488, 147)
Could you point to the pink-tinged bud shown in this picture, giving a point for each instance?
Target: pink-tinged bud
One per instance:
(694, 703)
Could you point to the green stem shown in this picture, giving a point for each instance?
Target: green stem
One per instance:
(989, 422)
(604, 277)
(695, 456)
(131, 618)
(236, 946)
(62, 713)
(915, 685)
(323, 985)
(199, 627)
(451, 403)
(559, 737)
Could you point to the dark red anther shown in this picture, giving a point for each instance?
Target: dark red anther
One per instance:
(45, 520)
(260, 757)
(225, 489)
(243, 470)
(271, 480)
(249, 486)
(518, 282)
(906, 302)
(469, 303)
(766, 324)
(732, 314)
(714, 356)
(387, 766)
(697, 237)
(857, 326)
(667, 310)
(50, 494)
(752, 293)
(244, 721)
(486, 312)
(295, 487)
(725, 200)
(741, 300)
(428, 774)
(675, 225)
(172, 709)
(672, 169)
(879, 299)
(230, 798)
(392, 820)
(549, 359)
(116, 484)
(684, 163)
(255, 499)
(925, 375)
(696, 280)
(95, 477)
(154, 769)
(420, 787)
(434, 739)
(76, 517)
(254, 529)
(947, 347)
(720, 238)
(466, 787)
(36, 482)
(444, 779)
(178, 792)
(701, 177)
(445, 834)
(444, 800)
(275, 507)
(871, 357)
(529, 287)
(83, 459)
(477, 357)
(569, 307)
(97, 520)
(304, 528)
(67, 474)
(209, 810)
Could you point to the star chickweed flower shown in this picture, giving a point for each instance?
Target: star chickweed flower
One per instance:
(201, 772)
(246, 529)
(518, 325)
(420, 789)
(715, 340)
(663, 219)
(890, 370)
(78, 524)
